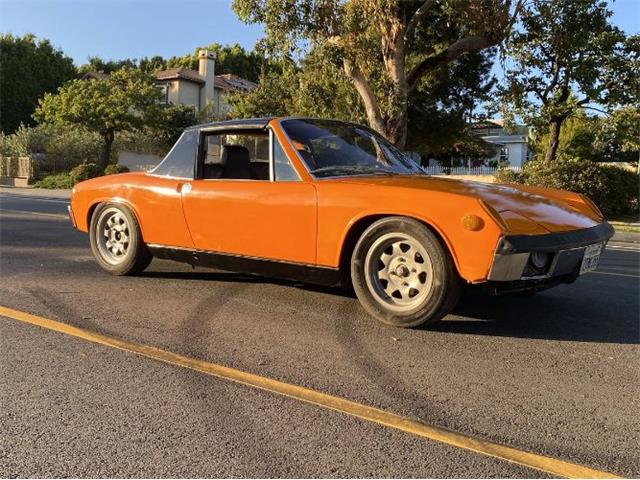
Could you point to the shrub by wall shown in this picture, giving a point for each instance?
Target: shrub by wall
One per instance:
(614, 190)
(85, 172)
(62, 180)
(115, 168)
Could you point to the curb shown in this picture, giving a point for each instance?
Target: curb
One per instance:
(36, 192)
(626, 237)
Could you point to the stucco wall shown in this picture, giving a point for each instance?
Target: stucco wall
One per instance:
(189, 94)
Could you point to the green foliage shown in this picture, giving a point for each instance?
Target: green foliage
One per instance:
(77, 174)
(619, 135)
(272, 97)
(170, 121)
(125, 101)
(565, 56)
(302, 91)
(506, 175)
(23, 142)
(29, 69)
(97, 64)
(613, 138)
(436, 111)
(614, 190)
(229, 59)
(85, 172)
(386, 49)
(162, 131)
(114, 168)
(61, 180)
(118, 103)
(53, 148)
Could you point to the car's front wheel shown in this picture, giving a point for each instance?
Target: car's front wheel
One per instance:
(402, 274)
(116, 240)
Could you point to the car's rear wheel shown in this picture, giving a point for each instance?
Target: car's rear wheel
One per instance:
(402, 274)
(116, 240)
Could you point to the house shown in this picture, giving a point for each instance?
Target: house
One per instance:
(202, 89)
(512, 145)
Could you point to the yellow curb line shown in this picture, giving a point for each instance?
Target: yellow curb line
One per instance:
(539, 462)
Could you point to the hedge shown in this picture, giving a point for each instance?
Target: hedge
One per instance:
(613, 189)
(78, 174)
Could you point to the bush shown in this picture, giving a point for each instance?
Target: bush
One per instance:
(54, 148)
(613, 189)
(506, 175)
(115, 168)
(62, 180)
(85, 172)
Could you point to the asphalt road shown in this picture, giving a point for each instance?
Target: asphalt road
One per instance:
(557, 374)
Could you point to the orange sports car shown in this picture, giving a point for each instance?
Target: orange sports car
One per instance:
(330, 202)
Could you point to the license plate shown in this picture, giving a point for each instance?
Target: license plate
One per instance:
(590, 258)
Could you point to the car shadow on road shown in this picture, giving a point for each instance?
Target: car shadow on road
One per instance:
(543, 316)
(232, 277)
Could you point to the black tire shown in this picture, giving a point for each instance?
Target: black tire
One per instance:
(439, 295)
(135, 257)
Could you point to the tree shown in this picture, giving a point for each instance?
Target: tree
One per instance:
(565, 56)
(169, 122)
(29, 69)
(229, 59)
(97, 64)
(438, 110)
(619, 135)
(125, 101)
(386, 47)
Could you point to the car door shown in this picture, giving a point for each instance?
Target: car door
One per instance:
(266, 212)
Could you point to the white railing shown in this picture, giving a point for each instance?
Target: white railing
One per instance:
(443, 170)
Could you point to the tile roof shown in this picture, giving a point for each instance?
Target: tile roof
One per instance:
(180, 73)
(231, 82)
(227, 82)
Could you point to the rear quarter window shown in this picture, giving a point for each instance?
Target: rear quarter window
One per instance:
(181, 159)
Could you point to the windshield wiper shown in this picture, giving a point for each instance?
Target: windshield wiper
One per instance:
(355, 169)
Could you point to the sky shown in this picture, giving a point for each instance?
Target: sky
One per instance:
(118, 29)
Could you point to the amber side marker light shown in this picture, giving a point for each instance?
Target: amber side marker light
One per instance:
(472, 222)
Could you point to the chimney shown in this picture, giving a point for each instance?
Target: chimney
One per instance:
(207, 68)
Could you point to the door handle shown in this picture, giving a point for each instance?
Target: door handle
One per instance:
(184, 188)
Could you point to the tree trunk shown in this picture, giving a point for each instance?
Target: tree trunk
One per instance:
(369, 99)
(105, 150)
(396, 129)
(554, 139)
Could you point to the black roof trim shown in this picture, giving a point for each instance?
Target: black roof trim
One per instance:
(234, 124)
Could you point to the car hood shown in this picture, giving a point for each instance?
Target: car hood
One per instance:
(521, 210)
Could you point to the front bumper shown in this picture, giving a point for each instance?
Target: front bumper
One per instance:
(565, 250)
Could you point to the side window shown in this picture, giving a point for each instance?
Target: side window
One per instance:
(282, 169)
(237, 156)
(180, 160)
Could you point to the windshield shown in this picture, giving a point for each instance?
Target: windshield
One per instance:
(331, 148)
